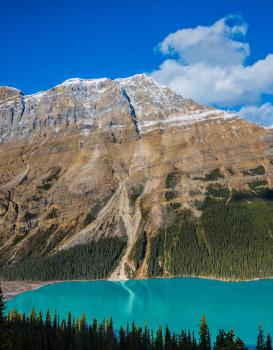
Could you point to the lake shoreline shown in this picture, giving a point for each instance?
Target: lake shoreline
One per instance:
(11, 289)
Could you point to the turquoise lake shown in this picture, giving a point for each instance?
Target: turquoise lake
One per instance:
(178, 302)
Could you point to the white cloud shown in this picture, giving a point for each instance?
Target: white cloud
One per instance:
(258, 114)
(209, 65)
(213, 45)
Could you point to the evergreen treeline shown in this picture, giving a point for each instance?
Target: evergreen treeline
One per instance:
(21, 332)
(93, 261)
(231, 239)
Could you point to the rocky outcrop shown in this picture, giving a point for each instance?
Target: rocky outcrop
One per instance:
(91, 159)
(136, 103)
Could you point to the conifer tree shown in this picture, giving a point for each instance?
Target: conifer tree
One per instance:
(32, 316)
(110, 335)
(159, 339)
(83, 325)
(48, 334)
(55, 339)
(230, 339)
(194, 342)
(93, 333)
(40, 318)
(268, 344)
(122, 339)
(220, 342)
(83, 332)
(260, 341)
(168, 339)
(204, 336)
(5, 343)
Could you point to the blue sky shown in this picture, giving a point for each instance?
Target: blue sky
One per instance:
(45, 42)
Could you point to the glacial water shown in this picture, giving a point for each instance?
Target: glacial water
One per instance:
(178, 302)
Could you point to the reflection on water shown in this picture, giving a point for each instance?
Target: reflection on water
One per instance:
(131, 298)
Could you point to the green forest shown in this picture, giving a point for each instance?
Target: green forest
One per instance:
(92, 261)
(233, 239)
(48, 332)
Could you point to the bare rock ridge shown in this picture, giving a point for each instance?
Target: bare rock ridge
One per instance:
(97, 104)
(98, 168)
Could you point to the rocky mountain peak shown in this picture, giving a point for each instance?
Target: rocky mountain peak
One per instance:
(7, 93)
(123, 162)
(87, 104)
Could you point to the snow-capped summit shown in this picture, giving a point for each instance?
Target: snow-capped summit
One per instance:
(86, 104)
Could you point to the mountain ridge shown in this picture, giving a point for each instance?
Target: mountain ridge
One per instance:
(86, 94)
(123, 177)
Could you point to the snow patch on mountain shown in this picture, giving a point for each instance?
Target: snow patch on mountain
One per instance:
(90, 103)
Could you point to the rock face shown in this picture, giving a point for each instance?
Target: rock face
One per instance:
(136, 103)
(93, 159)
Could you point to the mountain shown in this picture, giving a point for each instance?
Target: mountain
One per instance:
(124, 178)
